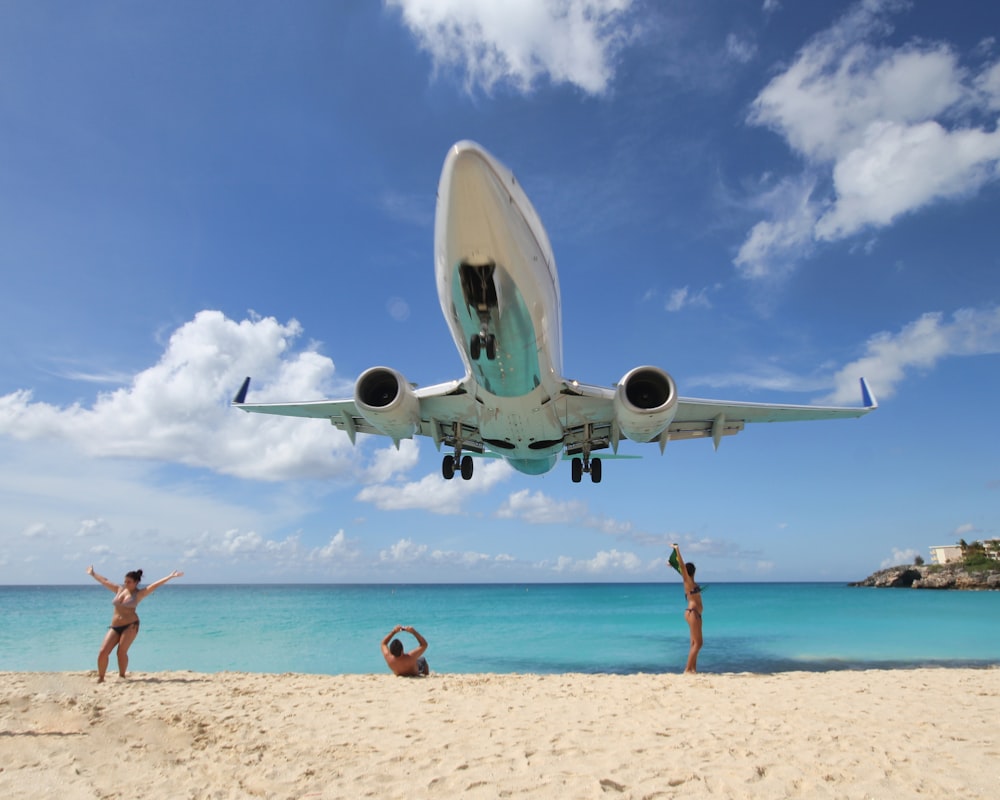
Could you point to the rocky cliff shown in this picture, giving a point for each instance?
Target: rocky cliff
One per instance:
(948, 576)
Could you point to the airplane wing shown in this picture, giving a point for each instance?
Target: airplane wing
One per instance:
(446, 412)
(589, 416)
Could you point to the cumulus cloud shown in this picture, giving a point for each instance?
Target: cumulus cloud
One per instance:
(433, 493)
(900, 557)
(178, 409)
(884, 131)
(519, 42)
(919, 345)
(603, 562)
(537, 508)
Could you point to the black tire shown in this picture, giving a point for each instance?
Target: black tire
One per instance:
(491, 347)
(474, 344)
(466, 467)
(448, 467)
(576, 470)
(595, 470)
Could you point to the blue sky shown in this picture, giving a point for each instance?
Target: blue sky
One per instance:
(766, 199)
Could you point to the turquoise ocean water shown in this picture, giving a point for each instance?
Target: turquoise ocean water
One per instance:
(525, 628)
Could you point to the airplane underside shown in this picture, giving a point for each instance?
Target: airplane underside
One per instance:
(498, 289)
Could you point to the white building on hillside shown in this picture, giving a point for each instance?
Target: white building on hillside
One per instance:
(945, 553)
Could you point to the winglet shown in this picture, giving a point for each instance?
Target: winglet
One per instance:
(866, 396)
(241, 395)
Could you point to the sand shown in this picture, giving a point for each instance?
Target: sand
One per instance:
(849, 734)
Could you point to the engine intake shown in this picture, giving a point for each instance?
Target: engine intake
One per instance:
(645, 403)
(387, 402)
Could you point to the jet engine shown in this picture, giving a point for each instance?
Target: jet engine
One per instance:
(387, 402)
(645, 403)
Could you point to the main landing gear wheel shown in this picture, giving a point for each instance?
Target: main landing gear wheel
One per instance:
(449, 463)
(580, 466)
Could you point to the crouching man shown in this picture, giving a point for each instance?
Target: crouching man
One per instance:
(412, 664)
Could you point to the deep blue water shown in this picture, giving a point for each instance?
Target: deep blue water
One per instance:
(533, 628)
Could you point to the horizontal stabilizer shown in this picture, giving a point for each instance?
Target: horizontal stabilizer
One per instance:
(601, 455)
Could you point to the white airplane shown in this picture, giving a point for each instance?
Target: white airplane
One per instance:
(497, 283)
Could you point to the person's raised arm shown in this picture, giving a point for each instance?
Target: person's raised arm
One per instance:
(157, 584)
(420, 640)
(388, 637)
(683, 568)
(102, 580)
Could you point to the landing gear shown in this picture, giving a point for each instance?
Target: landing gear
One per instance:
(450, 462)
(578, 466)
(483, 341)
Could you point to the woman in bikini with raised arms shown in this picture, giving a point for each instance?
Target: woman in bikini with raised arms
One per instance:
(692, 591)
(125, 620)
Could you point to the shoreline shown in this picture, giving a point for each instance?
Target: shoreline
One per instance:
(882, 732)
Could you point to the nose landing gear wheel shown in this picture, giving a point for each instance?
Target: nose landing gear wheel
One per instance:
(448, 467)
(481, 341)
(576, 471)
(466, 467)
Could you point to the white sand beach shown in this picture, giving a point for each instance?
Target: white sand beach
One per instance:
(849, 734)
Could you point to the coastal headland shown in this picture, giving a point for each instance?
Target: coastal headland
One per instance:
(932, 576)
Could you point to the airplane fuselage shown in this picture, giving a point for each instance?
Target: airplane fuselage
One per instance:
(499, 291)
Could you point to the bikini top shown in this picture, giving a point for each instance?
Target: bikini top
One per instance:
(121, 602)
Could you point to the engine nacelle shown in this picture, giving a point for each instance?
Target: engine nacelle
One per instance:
(387, 402)
(645, 403)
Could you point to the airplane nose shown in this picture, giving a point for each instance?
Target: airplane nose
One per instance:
(471, 172)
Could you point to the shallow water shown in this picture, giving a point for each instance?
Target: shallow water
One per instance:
(537, 628)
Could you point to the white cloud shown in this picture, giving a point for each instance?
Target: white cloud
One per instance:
(684, 298)
(900, 558)
(605, 561)
(537, 508)
(772, 244)
(433, 493)
(94, 527)
(740, 48)
(339, 548)
(178, 410)
(404, 551)
(917, 346)
(520, 41)
(38, 530)
(899, 168)
(889, 129)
